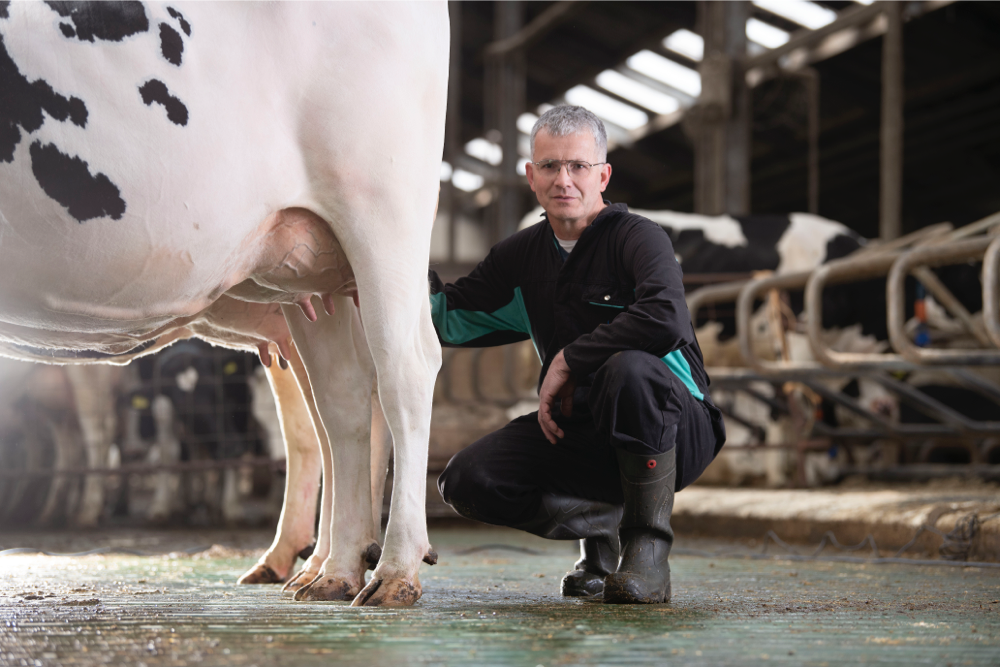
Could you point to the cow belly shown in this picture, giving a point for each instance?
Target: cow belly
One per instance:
(295, 255)
(162, 215)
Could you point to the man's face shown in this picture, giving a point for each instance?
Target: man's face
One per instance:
(568, 196)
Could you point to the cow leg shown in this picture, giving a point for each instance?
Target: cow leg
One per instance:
(65, 437)
(93, 392)
(339, 369)
(381, 449)
(168, 484)
(302, 479)
(407, 357)
(314, 563)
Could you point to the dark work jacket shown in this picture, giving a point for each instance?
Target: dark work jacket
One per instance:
(619, 289)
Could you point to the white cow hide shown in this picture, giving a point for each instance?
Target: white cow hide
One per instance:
(285, 151)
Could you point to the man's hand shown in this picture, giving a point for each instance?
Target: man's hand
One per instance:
(557, 386)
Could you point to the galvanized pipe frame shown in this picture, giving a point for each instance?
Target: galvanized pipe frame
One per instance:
(954, 424)
(722, 293)
(991, 291)
(882, 427)
(744, 310)
(936, 255)
(936, 409)
(876, 262)
(741, 382)
(867, 266)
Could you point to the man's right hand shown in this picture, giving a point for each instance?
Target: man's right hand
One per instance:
(557, 386)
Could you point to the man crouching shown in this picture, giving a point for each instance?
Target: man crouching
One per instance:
(624, 419)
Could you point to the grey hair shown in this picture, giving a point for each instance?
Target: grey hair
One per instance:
(564, 120)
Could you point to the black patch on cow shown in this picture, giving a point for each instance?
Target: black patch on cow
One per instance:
(155, 90)
(171, 44)
(67, 30)
(185, 26)
(68, 180)
(839, 246)
(59, 107)
(764, 230)
(3, 9)
(22, 103)
(107, 21)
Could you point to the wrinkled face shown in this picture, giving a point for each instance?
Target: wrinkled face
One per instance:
(567, 193)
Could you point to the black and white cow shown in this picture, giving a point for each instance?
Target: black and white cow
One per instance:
(206, 169)
(745, 244)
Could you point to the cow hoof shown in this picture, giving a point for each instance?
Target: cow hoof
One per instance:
(260, 574)
(325, 588)
(388, 593)
(302, 578)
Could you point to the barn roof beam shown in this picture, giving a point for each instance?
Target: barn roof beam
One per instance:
(532, 32)
(852, 26)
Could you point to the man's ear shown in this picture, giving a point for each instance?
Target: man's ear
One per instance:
(529, 171)
(605, 176)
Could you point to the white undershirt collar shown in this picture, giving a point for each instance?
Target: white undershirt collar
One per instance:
(567, 245)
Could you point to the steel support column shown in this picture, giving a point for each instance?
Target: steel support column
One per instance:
(720, 123)
(505, 93)
(891, 134)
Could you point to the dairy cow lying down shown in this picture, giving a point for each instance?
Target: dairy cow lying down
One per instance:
(208, 170)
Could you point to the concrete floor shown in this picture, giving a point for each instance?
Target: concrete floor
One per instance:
(493, 599)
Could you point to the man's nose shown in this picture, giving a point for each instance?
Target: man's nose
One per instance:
(562, 178)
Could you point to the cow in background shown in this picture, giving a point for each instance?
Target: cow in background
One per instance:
(211, 170)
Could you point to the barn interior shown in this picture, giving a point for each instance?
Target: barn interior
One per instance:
(832, 530)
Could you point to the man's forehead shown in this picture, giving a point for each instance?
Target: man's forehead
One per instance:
(584, 139)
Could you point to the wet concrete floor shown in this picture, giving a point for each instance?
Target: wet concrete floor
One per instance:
(493, 599)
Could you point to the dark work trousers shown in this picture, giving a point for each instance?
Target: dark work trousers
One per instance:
(634, 402)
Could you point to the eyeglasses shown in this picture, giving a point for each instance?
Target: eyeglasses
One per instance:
(575, 168)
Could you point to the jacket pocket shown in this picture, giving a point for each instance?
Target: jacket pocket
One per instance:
(609, 296)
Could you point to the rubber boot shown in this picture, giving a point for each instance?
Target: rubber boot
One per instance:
(598, 559)
(643, 575)
(592, 522)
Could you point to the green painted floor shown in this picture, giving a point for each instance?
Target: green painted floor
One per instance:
(497, 605)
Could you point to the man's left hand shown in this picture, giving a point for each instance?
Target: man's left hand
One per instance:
(557, 386)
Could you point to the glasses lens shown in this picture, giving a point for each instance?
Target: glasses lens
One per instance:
(573, 167)
(548, 166)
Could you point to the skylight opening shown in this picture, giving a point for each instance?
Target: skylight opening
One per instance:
(686, 43)
(667, 71)
(488, 152)
(765, 34)
(640, 94)
(526, 121)
(466, 180)
(607, 108)
(805, 13)
(446, 172)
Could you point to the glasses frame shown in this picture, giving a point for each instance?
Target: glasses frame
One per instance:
(566, 163)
